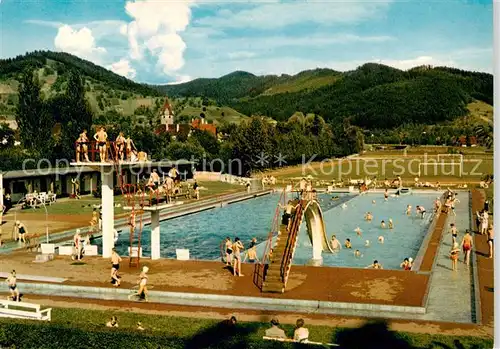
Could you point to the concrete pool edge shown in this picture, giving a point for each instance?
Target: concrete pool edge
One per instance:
(475, 272)
(226, 301)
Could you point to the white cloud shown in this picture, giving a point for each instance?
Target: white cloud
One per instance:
(156, 26)
(281, 14)
(79, 42)
(406, 64)
(123, 68)
(180, 80)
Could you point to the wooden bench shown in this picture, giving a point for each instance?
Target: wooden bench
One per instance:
(294, 341)
(32, 311)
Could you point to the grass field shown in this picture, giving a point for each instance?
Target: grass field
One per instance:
(81, 328)
(300, 83)
(214, 114)
(85, 205)
(406, 167)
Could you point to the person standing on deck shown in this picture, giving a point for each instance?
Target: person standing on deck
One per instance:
(120, 146)
(101, 138)
(82, 147)
(237, 247)
(467, 247)
(115, 265)
(454, 233)
(12, 282)
(490, 241)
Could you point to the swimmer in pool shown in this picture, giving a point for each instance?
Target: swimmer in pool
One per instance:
(335, 244)
(375, 265)
(367, 243)
(374, 202)
(386, 195)
(382, 224)
(357, 254)
(391, 224)
(344, 206)
(408, 210)
(348, 243)
(358, 231)
(381, 239)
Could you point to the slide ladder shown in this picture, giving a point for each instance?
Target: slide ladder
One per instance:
(280, 262)
(136, 201)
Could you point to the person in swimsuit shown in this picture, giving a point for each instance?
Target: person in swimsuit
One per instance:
(289, 209)
(381, 239)
(386, 195)
(484, 223)
(357, 254)
(22, 231)
(131, 222)
(237, 247)
(101, 138)
(454, 233)
(391, 224)
(94, 220)
(358, 231)
(467, 246)
(437, 205)
(335, 244)
(120, 145)
(82, 146)
(77, 244)
(454, 256)
(490, 241)
(143, 290)
(382, 224)
(406, 265)
(347, 243)
(251, 255)
(375, 265)
(228, 245)
(408, 210)
(115, 265)
(12, 282)
(421, 211)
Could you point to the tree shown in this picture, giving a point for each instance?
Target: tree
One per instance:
(76, 114)
(6, 136)
(207, 141)
(35, 124)
(484, 134)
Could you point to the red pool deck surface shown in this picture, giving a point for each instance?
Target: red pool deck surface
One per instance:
(484, 267)
(390, 287)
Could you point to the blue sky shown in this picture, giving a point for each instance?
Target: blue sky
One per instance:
(167, 41)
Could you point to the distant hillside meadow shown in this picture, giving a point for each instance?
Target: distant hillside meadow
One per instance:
(373, 103)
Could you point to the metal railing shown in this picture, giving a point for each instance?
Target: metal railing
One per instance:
(290, 243)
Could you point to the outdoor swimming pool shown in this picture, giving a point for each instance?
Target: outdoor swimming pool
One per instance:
(203, 232)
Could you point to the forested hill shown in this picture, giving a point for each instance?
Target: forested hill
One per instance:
(62, 62)
(374, 95)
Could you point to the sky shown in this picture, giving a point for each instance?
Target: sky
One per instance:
(173, 41)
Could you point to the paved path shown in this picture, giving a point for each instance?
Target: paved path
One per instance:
(450, 294)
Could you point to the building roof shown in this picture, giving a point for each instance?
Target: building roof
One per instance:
(19, 174)
(204, 127)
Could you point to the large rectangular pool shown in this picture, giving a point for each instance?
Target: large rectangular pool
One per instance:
(203, 232)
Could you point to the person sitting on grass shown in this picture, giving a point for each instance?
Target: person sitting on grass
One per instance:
(301, 334)
(113, 322)
(275, 331)
(140, 327)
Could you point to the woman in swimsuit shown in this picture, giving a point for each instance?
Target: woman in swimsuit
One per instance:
(12, 282)
(237, 247)
(406, 265)
(81, 146)
(78, 245)
(143, 280)
(229, 250)
(467, 246)
(115, 265)
(454, 256)
(490, 241)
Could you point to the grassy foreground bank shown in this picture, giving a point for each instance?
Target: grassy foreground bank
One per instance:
(78, 328)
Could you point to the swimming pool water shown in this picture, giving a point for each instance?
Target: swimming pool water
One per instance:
(401, 242)
(203, 232)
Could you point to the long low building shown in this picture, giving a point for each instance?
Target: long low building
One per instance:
(60, 180)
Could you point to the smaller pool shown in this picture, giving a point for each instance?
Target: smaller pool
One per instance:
(401, 242)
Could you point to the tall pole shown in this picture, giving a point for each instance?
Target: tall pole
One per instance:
(1, 204)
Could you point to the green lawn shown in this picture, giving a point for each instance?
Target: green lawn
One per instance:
(84, 206)
(82, 328)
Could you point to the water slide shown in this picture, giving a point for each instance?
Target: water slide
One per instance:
(316, 229)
